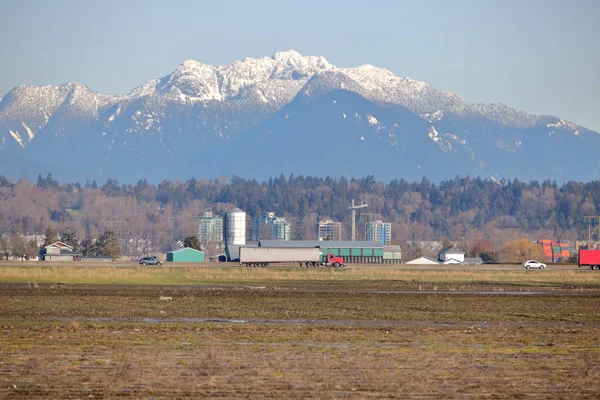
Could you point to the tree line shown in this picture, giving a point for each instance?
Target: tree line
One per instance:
(147, 217)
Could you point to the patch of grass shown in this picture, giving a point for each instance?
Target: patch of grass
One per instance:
(129, 273)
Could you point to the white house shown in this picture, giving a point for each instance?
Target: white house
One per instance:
(452, 255)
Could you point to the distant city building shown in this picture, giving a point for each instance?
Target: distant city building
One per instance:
(270, 227)
(210, 229)
(378, 231)
(329, 230)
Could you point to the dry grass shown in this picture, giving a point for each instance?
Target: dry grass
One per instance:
(128, 274)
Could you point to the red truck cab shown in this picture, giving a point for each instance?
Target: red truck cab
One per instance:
(335, 260)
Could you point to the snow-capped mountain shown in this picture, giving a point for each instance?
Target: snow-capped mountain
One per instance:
(192, 121)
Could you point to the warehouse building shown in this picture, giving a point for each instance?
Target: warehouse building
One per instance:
(350, 251)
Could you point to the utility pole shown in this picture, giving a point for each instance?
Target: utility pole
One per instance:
(593, 230)
(353, 208)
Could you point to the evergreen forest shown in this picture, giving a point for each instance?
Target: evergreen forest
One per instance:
(149, 217)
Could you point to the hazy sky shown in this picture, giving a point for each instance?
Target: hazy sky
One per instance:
(541, 56)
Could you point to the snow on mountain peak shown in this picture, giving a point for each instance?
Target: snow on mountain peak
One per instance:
(294, 59)
(191, 64)
(287, 56)
(145, 88)
(192, 81)
(272, 80)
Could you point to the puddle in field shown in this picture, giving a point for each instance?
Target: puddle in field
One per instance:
(354, 323)
(461, 293)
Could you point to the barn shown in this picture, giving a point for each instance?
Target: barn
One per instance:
(187, 254)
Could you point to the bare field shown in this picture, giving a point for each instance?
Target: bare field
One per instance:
(292, 333)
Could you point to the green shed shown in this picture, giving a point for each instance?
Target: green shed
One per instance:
(186, 254)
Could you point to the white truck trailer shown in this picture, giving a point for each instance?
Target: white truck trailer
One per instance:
(263, 256)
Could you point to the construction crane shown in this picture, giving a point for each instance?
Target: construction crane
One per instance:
(353, 208)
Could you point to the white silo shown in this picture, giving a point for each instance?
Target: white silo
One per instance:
(234, 229)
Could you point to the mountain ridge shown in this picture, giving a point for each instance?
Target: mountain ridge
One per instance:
(200, 108)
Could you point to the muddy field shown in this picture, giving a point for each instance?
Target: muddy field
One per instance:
(300, 339)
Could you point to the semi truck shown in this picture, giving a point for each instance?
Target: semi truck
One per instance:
(589, 258)
(304, 256)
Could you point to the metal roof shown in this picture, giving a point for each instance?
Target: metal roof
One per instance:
(392, 248)
(59, 244)
(186, 248)
(329, 244)
(452, 250)
(233, 250)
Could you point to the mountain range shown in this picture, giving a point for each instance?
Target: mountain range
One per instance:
(285, 114)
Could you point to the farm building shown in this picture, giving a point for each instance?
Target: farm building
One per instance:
(452, 255)
(350, 251)
(392, 254)
(186, 254)
(59, 251)
(423, 261)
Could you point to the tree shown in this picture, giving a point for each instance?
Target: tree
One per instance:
(417, 251)
(522, 249)
(88, 247)
(108, 244)
(192, 242)
(489, 257)
(31, 249)
(4, 247)
(446, 243)
(50, 237)
(17, 245)
(70, 238)
(481, 246)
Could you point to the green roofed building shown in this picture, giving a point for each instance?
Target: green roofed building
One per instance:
(186, 254)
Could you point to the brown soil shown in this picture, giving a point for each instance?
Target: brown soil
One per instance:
(305, 340)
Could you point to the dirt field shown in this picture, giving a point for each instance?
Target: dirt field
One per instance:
(265, 338)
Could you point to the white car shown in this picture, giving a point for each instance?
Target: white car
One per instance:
(534, 264)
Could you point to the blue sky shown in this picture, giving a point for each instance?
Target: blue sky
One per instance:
(541, 56)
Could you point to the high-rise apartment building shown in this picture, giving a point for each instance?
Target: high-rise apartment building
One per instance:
(378, 231)
(210, 229)
(329, 230)
(270, 227)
